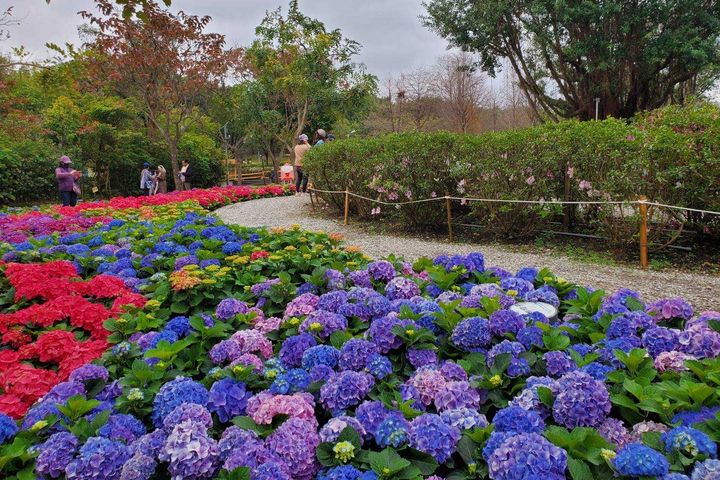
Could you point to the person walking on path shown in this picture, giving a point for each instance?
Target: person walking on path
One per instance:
(161, 180)
(67, 178)
(301, 178)
(146, 179)
(186, 175)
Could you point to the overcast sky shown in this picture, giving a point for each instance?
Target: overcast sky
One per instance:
(389, 31)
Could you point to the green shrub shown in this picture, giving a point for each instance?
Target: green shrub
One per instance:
(204, 156)
(28, 170)
(670, 155)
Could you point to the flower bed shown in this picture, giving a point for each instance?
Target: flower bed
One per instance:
(281, 354)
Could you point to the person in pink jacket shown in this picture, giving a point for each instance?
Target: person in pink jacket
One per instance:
(67, 177)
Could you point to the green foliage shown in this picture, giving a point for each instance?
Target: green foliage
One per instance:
(204, 156)
(670, 155)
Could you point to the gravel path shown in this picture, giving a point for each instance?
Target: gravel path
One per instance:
(700, 290)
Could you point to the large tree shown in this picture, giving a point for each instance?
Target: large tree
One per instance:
(167, 60)
(631, 54)
(300, 76)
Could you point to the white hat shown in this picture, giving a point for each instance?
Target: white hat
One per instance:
(303, 138)
(321, 132)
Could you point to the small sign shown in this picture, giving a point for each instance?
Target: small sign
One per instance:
(95, 189)
(523, 308)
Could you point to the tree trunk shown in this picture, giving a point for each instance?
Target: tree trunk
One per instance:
(172, 146)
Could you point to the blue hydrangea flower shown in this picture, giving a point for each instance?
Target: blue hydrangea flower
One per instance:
(123, 427)
(293, 348)
(179, 325)
(174, 393)
(707, 470)
(371, 414)
(139, 467)
(581, 401)
(55, 455)
(8, 428)
(636, 460)
(429, 434)
(355, 353)
(494, 441)
(379, 366)
(320, 355)
(100, 458)
(464, 418)
(228, 398)
(518, 420)
(472, 334)
(527, 452)
(530, 337)
(689, 441)
(392, 432)
(558, 363)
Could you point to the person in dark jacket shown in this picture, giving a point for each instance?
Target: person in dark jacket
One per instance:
(67, 182)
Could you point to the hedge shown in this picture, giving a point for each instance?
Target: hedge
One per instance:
(670, 155)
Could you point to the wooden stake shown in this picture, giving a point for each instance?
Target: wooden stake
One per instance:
(449, 218)
(347, 205)
(643, 233)
(312, 202)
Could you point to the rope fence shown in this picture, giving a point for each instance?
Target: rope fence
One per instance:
(642, 203)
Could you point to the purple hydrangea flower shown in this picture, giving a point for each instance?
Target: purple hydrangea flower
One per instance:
(660, 339)
(355, 353)
(174, 393)
(464, 418)
(558, 363)
(393, 431)
(187, 411)
(401, 287)
(472, 334)
(505, 321)
(230, 307)
(371, 414)
(88, 373)
(429, 434)
(332, 301)
(190, 451)
(56, 453)
(381, 270)
(100, 459)
(360, 278)
(334, 427)
(295, 442)
(527, 452)
(293, 348)
(581, 401)
(455, 395)
(707, 470)
(139, 467)
(670, 308)
(614, 431)
(421, 357)
(323, 323)
(345, 389)
(123, 427)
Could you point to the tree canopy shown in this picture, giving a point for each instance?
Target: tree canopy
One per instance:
(632, 55)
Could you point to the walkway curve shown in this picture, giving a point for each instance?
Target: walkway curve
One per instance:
(700, 290)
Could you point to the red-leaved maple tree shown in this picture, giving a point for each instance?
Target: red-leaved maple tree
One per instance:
(166, 60)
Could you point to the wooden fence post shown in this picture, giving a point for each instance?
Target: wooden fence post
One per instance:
(347, 205)
(449, 218)
(643, 233)
(312, 202)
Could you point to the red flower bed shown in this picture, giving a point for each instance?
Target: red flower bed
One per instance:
(208, 197)
(33, 356)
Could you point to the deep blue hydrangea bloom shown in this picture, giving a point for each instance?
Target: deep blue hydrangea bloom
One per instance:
(293, 348)
(179, 325)
(689, 418)
(530, 336)
(636, 460)
(582, 349)
(232, 248)
(8, 428)
(210, 261)
(393, 431)
(122, 427)
(660, 339)
(174, 393)
(55, 454)
(355, 353)
(472, 334)
(518, 367)
(597, 370)
(689, 441)
(521, 454)
(433, 290)
(518, 420)
(505, 321)
(345, 472)
(99, 458)
(228, 398)
(429, 434)
(164, 336)
(320, 355)
(379, 366)
(528, 273)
